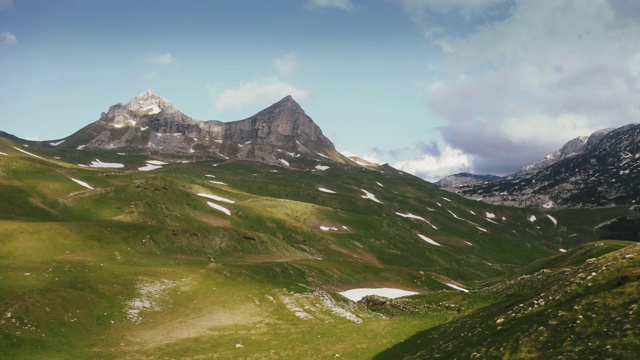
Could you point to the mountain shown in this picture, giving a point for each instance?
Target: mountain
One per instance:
(465, 178)
(572, 148)
(601, 170)
(279, 134)
(111, 251)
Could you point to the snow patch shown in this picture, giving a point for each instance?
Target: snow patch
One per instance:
(57, 143)
(555, 222)
(80, 147)
(99, 164)
(411, 216)
(562, 250)
(156, 162)
(321, 167)
(149, 167)
(217, 182)
(532, 218)
(217, 198)
(28, 153)
(328, 228)
(428, 240)
(457, 287)
(391, 293)
(491, 215)
(370, 196)
(481, 229)
(285, 162)
(548, 205)
(1, 153)
(82, 183)
(379, 184)
(219, 208)
(327, 190)
(323, 155)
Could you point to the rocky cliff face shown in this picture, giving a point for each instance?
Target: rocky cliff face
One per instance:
(572, 148)
(152, 123)
(604, 172)
(465, 179)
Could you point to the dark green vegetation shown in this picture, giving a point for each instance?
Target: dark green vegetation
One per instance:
(142, 267)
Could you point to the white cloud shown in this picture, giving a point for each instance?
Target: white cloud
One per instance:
(523, 77)
(7, 38)
(340, 4)
(6, 4)
(255, 92)
(162, 59)
(288, 64)
(433, 168)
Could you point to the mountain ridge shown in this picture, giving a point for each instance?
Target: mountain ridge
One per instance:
(278, 134)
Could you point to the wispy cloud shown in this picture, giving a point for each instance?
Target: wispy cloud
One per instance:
(254, 92)
(340, 4)
(288, 64)
(7, 38)
(162, 59)
(150, 75)
(520, 78)
(6, 4)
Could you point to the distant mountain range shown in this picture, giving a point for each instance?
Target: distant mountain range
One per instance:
(599, 170)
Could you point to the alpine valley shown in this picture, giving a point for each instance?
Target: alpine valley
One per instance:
(148, 234)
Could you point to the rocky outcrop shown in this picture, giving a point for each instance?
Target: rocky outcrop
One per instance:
(464, 179)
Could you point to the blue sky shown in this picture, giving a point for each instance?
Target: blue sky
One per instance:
(431, 86)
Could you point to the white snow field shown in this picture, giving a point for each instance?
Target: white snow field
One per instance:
(57, 143)
(370, 196)
(391, 293)
(217, 198)
(555, 222)
(321, 167)
(532, 218)
(82, 183)
(284, 162)
(99, 164)
(219, 208)
(428, 240)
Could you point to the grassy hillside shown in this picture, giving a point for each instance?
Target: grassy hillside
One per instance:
(121, 263)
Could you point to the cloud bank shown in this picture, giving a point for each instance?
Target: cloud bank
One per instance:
(255, 93)
(519, 78)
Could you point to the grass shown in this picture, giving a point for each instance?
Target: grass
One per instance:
(74, 261)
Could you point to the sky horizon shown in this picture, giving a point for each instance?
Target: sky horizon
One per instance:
(432, 87)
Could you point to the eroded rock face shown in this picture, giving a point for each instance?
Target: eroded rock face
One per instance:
(150, 122)
(605, 172)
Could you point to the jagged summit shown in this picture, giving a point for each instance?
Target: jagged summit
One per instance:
(150, 122)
